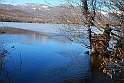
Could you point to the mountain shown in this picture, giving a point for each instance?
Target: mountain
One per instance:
(30, 12)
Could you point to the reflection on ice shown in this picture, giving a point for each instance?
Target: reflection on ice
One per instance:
(17, 35)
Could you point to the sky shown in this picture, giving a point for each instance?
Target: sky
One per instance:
(47, 2)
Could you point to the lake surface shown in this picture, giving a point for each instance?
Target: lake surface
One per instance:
(36, 54)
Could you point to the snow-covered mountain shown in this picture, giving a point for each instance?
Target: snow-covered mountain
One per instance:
(40, 12)
(36, 11)
(27, 7)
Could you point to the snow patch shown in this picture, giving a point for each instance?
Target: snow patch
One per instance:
(33, 8)
(44, 6)
(15, 4)
(104, 13)
(25, 4)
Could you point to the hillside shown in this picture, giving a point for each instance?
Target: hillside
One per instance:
(30, 12)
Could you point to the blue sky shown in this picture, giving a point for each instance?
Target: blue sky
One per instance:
(51, 2)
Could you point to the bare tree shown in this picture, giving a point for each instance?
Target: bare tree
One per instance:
(100, 28)
(94, 20)
(116, 57)
(81, 15)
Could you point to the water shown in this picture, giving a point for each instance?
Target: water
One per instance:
(34, 55)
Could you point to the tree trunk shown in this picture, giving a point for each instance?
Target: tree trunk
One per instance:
(87, 18)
